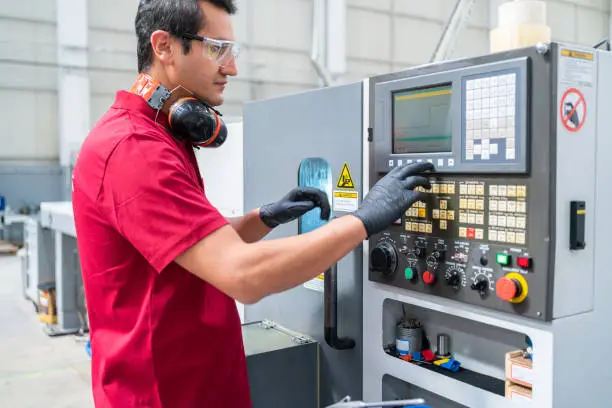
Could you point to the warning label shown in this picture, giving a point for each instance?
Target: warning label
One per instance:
(573, 110)
(316, 284)
(347, 201)
(345, 180)
(577, 67)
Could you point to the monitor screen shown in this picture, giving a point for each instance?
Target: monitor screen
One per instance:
(422, 120)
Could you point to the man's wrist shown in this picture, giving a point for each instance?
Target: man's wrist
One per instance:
(265, 217)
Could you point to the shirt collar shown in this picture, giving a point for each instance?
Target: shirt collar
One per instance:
(134, 103)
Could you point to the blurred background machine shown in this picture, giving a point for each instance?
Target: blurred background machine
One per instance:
(490, 291)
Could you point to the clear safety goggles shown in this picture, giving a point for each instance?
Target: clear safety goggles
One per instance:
(220, 51)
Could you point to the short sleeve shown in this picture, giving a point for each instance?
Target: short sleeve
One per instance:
(155, 201)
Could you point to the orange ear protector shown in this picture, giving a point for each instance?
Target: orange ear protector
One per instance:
(190, 118)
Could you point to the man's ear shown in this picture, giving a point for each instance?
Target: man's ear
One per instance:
(161, 42)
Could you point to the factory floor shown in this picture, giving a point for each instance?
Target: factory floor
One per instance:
(36, 370)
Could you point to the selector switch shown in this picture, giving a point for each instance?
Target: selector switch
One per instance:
(484, 260)
(481, 285)
(429, 278)
(383, 258)
(420, 251)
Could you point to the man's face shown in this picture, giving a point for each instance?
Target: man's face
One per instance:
(198, 71)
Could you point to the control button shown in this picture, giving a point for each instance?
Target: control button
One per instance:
(420, 251)
(429, 278)
(524, 262)
(503, 259)
(384, 258)
(484, 260)
(471, 233)
(481, 285)
(453, 278)
(508, 289)
(409, 273)
(433, 259)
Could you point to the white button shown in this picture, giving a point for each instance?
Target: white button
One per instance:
(399, 162)
(430, 161)
(391, 163)
(408, 161)
(451, 162)
(440, 162)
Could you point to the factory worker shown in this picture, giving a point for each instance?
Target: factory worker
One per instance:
(161, 266)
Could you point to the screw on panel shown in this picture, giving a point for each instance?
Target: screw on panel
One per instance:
(542, 48)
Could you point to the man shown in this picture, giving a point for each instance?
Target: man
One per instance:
(161, 266)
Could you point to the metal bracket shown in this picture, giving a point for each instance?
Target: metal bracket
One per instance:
(297, 338)
(347, 403)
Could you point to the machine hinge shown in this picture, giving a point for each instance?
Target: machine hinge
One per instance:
(370, 134)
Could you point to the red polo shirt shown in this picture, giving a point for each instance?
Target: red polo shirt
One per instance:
(161, 337)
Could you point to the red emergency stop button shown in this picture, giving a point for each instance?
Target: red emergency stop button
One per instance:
(429, 278)
(524, 262)
(507, 289)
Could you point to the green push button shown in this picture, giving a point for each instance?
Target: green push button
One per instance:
(503, 259)
(409, 273)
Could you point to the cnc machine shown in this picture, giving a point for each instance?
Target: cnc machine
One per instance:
(508, 248)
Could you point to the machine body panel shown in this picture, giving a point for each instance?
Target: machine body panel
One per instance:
(279, 134)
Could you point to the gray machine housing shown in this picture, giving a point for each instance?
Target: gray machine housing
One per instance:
(278, 134)
(565, 307)
(39, 258)
(562, 166)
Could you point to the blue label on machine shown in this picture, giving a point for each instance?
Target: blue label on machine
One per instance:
(2, 204)
(314, 172)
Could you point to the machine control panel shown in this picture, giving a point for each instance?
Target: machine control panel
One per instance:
(472, 240)
(469, 242)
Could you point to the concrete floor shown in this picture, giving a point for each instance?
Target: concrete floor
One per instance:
(36, 370)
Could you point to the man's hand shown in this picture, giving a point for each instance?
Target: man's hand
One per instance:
(392, 196)
(296, 203)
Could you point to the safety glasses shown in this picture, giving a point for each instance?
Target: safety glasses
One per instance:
(221, 51)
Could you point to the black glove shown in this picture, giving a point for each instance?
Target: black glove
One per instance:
(392, 196)
(297, 202)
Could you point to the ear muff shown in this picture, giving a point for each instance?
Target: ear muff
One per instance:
(194, 121)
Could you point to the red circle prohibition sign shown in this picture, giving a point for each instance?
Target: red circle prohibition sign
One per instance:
(570, 114)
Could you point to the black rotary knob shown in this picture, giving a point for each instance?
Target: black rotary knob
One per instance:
(453, 278)
(481, 285)
(383, 258)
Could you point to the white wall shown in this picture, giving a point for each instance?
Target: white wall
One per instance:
(382, 36)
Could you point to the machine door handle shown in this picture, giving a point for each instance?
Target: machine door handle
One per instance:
(330, 293)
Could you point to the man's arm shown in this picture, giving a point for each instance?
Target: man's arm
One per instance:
(249, 272)
(250, 227)
(266, 267)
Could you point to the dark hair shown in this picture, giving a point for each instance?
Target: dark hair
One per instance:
(177, 17)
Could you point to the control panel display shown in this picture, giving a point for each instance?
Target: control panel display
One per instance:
(422, 120)
(468, 120)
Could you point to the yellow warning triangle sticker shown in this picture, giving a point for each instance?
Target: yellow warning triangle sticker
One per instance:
(345, 180)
